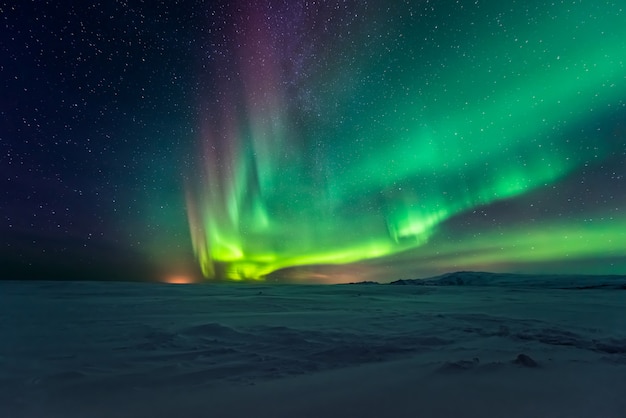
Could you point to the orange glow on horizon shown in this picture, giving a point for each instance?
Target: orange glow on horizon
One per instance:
(179, 279)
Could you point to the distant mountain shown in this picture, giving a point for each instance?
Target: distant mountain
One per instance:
(553, 281)
(365, 282)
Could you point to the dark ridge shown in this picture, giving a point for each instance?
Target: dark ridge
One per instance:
(551, 281)
(366, 282)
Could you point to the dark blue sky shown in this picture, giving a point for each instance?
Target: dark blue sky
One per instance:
(123, 122)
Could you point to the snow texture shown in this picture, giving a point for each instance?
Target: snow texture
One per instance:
(463, 345)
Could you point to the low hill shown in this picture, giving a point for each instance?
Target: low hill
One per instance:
(556, 281)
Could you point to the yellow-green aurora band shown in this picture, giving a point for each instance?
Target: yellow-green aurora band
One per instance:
(368, 154)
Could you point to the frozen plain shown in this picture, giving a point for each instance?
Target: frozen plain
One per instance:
(469, 347)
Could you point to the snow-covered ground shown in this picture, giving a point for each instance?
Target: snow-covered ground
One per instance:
(487, 349)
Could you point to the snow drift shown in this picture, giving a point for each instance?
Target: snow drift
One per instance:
(462, 345)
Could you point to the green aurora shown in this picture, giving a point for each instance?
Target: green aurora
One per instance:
(361, 139)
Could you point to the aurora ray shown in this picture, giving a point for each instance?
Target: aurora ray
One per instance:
(351, 131)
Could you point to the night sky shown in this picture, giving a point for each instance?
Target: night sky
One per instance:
(311, 141)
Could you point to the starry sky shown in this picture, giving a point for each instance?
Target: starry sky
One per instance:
(311, 141)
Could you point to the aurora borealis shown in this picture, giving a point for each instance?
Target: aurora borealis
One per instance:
(342, 132)
(312, 141)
